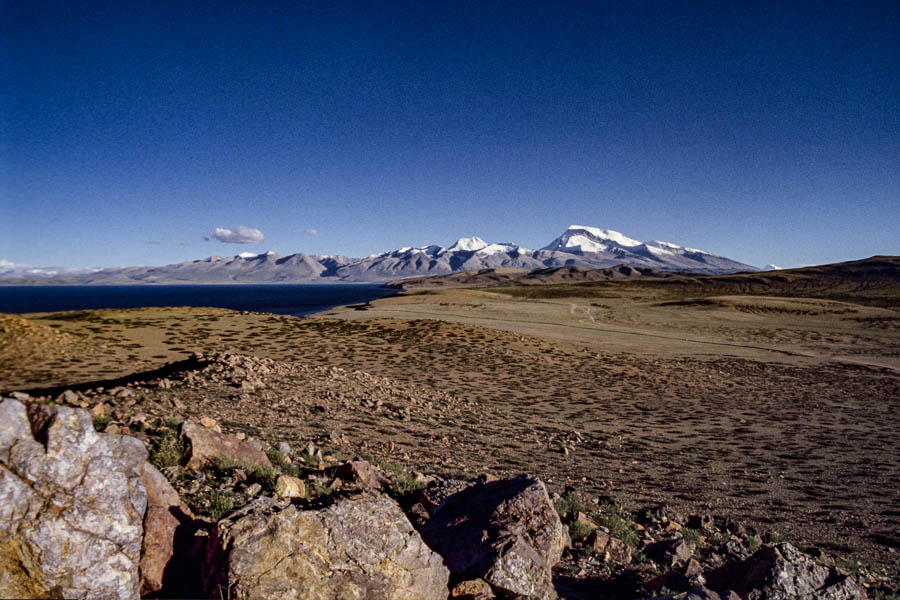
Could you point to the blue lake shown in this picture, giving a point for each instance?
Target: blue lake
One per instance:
(285, 299)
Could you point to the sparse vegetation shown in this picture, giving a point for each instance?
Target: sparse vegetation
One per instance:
(167, 449)
(402, 481)
(620, 528)
(579, 531)
(572, 503)
(264, 476)
(849, 565)
(100, 422)
(692, 537)
(220, 505)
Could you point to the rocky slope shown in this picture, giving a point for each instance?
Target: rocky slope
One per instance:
(188, 507)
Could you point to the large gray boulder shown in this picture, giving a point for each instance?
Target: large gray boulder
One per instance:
(360, 547)
(505, 532)
(71, 505)
(782, 572)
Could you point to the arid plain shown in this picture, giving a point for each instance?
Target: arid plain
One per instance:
(771, 399)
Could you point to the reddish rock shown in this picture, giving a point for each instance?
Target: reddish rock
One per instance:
(361, 473)
(165, 522)
(612, 549)
(669, 552)
(207, 443)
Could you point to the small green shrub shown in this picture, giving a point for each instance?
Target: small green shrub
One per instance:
(317, 488)
(402, 481)
(167, 450)
(223, 463)
(620, 528)
(572, 503)
(220, 505)
(101, 422)
(639, 557)
(291, 470)
(278, 458)
(405, 483)
(754, 543)
(692, 537)
(264, 476)
(579, 531)
(848, 565)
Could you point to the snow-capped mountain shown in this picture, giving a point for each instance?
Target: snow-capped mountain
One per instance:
(579, 246)
(598, 246)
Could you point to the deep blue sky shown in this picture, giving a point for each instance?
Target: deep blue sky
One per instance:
(762, 131)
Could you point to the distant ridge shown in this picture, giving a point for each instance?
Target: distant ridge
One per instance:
(493, 277)
(873, 281)
(578, 246)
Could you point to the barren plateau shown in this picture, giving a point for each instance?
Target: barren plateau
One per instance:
(773, 402)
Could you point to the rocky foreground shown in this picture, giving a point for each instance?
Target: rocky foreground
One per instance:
(99, 505)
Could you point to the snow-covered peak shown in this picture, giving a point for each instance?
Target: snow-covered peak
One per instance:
(771, 267)
(501, 248)
(603, 235)
(582, 239)
(467, 244)
(666, 245)
(248, 254)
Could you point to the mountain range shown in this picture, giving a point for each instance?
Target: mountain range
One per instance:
(578, 246)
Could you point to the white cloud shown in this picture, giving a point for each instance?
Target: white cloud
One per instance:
(5, 264)
(307, 231)
(238, 235)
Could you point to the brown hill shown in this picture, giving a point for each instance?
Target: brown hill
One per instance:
(495, 277)
(874, 281)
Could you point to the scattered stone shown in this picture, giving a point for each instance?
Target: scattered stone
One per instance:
(735, 548)
(438, 491)
(361, 473)
(362, 547)
(669, 552)
(654, 515)
(67, 397)
(612, 549)
(71, 505)
(207, 443)
(585, 520)
(505, 532)
(290, 487)
(210, 423)
(697, 593)
(472, 589)
(253, 489)
(284, 448)
(704, 521)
